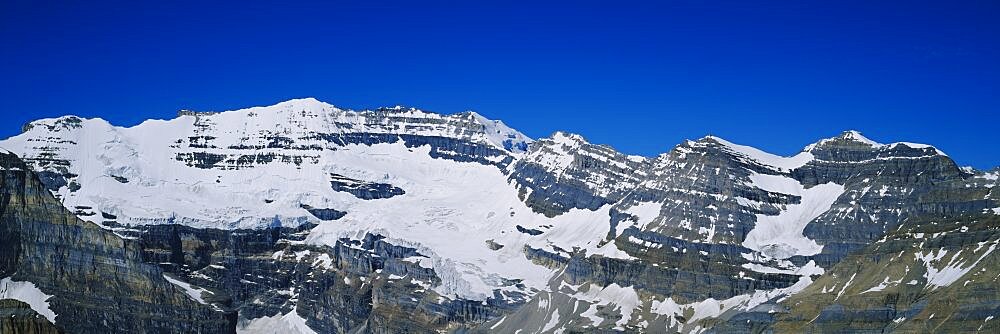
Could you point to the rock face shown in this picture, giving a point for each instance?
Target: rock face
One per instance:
(353, 284)
(98, 281)
(304, 217)
(17, 317)
(566, 172)
(362, 189)
(884, 185)
(934, 273)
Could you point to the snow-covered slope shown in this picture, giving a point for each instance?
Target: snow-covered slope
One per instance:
(238, 169)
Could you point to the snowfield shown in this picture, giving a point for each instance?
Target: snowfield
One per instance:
(781, 236)
(448, 213)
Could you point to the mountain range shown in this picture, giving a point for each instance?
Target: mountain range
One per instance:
(302, 217)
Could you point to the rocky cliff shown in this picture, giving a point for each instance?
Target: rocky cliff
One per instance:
(81, 277)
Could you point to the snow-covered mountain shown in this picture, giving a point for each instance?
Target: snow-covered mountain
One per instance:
(456, 221)
(238, 166)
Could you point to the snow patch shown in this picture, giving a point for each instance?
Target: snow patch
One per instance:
(768, 159)
(955, 268)
(884, 284)
(645, 212)
(781, 236)
(625, 300)
(192, 291)
(288, 323)
(553, 321)
(501, 135)
(713, 308)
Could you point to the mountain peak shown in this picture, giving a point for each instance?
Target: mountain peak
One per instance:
(56, 124)
(501, 134)
(298, 104)
(567, 138)
(850, 137)
(854, 135)
(304, 100)
(307, 103)
(856, 139)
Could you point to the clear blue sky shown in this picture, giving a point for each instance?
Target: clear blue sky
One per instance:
(638, 76)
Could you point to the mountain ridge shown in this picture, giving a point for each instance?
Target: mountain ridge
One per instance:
(310, 103)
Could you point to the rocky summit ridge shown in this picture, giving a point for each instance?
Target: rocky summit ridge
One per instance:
(303, 217)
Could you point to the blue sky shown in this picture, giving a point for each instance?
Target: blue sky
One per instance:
(639, 76)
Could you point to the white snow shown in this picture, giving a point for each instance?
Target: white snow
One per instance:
(553, 321)
(192, 291)
(622, 299)
(421, 261)
(846, 285)
(713, 308)
(849, 135)
(857, 136)
(956, 267)
(449, 211)
(784, 231)
(884, 284)
(323, 261)
(250, 197)
(917, 145)
(300, 254)
(499, 133)
(288, 323)
(984, 323)
(625, 300)
(809, 269)
(585, 236)
(645, 213)
(768, 159)
(28, 293)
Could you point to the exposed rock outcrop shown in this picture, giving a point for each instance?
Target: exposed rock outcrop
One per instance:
(98, 281)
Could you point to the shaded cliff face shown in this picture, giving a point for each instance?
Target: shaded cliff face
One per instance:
(884, 185)
(566, 172)
(273, 280)
(934, 273)
(17, 317)
(306, 217)
(94, 280)
(710, 191)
